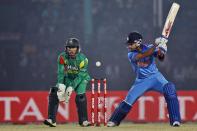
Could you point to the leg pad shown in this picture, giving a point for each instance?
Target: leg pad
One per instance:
(53, 104)
(81, 103)
(120, 112)
(172, 102)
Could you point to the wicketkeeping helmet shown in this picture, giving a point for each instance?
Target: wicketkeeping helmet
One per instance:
(72, 42)
(134, 37)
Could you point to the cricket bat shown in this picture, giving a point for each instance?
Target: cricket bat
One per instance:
(170, 20)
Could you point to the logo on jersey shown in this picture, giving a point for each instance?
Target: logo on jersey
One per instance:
(72, 69)
(69, 67)
(144, 62)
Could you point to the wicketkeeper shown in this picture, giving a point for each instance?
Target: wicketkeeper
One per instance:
(72, 75)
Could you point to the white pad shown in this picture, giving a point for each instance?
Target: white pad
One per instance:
(61, 92)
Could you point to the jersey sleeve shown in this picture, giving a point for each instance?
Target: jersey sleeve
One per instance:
(155, 53)
(132, 56)
(60, 69)
(83, 67)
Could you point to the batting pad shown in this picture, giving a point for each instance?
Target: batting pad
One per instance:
(120, 112)
(172, 102)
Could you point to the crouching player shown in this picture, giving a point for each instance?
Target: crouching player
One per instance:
(142, 58)
(72, 75)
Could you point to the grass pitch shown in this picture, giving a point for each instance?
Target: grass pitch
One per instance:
(122, 127)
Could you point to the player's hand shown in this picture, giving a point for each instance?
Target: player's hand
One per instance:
(160, 41)
(68, 94)
(163, 48)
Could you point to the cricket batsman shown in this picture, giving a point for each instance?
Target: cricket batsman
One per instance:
(72, 75)
(142, 59)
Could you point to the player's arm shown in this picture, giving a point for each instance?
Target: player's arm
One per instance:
(161, 48)
(147, 53)
(160, 43)
(83, 67)
(160, 55)
(60, 70)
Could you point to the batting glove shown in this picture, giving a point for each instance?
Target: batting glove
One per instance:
(160, 41)
(163, 48)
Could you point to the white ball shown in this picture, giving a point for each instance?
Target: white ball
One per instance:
(98, 63)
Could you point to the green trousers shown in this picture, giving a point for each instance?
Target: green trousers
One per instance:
(81, 87)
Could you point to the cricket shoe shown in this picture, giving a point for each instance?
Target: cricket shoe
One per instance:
(111, 124)
(49, 122)
(176, 124)
(86, 123)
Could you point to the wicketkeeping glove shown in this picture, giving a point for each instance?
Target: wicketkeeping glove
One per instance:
(68, 94)
(61, 92)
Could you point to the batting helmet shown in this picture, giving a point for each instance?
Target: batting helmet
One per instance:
(134, 37)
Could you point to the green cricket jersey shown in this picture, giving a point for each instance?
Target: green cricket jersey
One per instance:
(72, 72)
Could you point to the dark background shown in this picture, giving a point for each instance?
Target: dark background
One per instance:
(33, 33)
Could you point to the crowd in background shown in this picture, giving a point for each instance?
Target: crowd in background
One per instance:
(34, 32)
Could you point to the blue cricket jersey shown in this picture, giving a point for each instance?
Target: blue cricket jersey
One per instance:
(143, 67)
